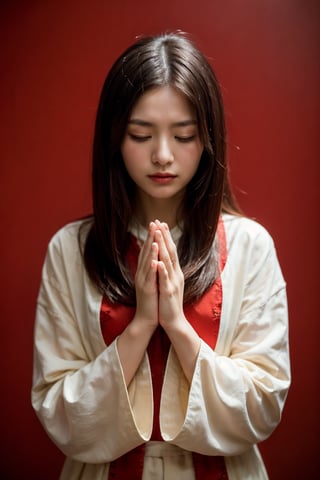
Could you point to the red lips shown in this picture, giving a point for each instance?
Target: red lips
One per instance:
(162, 177)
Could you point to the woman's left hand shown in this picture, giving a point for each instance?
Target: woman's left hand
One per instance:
(183, 337)
(170, 278)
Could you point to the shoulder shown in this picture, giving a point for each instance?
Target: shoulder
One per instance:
(243, 230)
(64, 259)
(248, 242)
(71, 234)
(251, 253)
(67, 243)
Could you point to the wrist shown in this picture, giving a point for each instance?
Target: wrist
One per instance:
(140, 328)
(186, 343)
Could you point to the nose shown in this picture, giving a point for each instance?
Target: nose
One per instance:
(162, 152)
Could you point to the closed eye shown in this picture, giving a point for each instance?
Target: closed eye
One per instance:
(185, 139)
(139, 138)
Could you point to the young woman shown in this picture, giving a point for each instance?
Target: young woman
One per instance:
(161, 344)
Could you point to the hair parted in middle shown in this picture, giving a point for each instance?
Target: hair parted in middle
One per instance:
(168, 59)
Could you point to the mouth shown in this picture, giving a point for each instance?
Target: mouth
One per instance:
(162, 177)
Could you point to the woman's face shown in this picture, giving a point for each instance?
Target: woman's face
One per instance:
(162, 148)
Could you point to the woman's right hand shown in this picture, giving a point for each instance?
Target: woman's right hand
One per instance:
(133, 341)
(146, 282)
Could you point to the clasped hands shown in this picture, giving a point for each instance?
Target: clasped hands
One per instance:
(159, 284)
(159, 280)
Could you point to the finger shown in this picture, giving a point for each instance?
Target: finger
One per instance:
(163, 276)
(146, 274)
(151, 272)
(164, 255)
(169, 244)
(166, 234)
(145, 252)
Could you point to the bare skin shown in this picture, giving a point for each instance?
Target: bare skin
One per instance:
(158, 303)
(162, 140)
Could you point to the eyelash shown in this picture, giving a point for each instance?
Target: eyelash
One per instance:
(185, 139)
(140, 139)
(137, 138)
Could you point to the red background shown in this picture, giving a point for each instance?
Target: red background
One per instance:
(54, 57)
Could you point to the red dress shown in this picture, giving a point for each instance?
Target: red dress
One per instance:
(204, 316)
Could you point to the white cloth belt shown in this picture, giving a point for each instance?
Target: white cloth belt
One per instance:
(164, 461)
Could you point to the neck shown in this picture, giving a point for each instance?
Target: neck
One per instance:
(163, 210)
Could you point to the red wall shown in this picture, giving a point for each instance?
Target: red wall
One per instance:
(54, 56)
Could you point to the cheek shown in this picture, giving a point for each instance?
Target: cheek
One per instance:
(129, 155)
(195, 157)
(125, 150)
(194, 164)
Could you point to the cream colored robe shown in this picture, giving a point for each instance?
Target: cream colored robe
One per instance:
(237, 392)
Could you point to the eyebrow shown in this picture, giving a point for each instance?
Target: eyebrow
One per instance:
(144, 123)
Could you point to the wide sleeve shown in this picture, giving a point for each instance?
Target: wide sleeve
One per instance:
(238, 391)
(79, 392)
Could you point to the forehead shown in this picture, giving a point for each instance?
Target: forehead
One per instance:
(164, 103)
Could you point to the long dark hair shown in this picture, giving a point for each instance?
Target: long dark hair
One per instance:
(169, 59)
